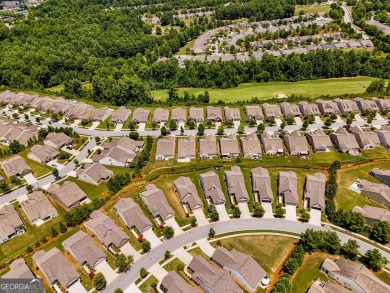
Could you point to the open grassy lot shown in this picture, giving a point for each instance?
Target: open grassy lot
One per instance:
(309, 271)
(315, 8)
(267, 250)
(310, 88)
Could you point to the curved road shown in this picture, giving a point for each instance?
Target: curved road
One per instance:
(154, 256)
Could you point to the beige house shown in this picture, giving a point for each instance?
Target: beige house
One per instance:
(314, 195)
(372, 214)
(383, 104)
(377, 192)
(208, 147)
(197, 114)
(15, 166)
(347, 106)
(38, 208)
(186, 149)
(229, 146)
(344, 141)
(384, 136)
(270, 110)
(290, 109)
(165, 148)
(18, 270)
(382, 175)
(125, 143)
(236, 185)
(212, 187)
(319, 287)
(296, 144)
(319, 141)
(43, 154)
(308, 109)
(179, 115)
(140, 116)
(132, 215)
(94, 173)
(366, 139)
(327, 107)
(214, 114)
(253, 113)
(160, 116)
(288, 187)
(100, 114)
(68, 194)
(272, 144)
(58, 140)
(120, 115)
(232, 114)
(115, 156)
(11, 224)
(156, 202)
(261, 184)
(172, 282)
(366, 105)
(187, 193)
(251, 147)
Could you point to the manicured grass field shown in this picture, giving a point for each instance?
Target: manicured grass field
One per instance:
(310, 88)
(90, 189)
(37, 168)
(311, 8)
(172, 265)
(267, 250)
(309, 271)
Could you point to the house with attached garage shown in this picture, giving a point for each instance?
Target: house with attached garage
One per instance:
(270, 110)
(140, 116)
(179, 115)
(288, 187)
(38, 208)
(18, 270)
(125, 143)
(366, 105)
(253, 113)
(384, 136)
(261, 185)
(347, 106)
(272, 144)
(208, 147)
(156, 202)
(232, 114)
(187, 193)
(173, 283)
(241, 266)
(104, 228)
(214, 114)
(43, 154)
(344, 141)
(99, 115)
(115, 156)
(314, 194)
(94, 173)
(132, 215)
(308, 109)
(186, 149)
(236, 184)
(15, 166)
(366, 139)
(69, 194)
(319, 141)
(229, 146)
(382, 175)
(319, 287)
(120, 115)
(296, 144)
(11, 224)
(377, 192)
(165, 148)
(58, 140)
(327, 107)
(197, 114)
(212, 187)
(160, 116)
(84, 250)
(290, 109)
(251, 147)
(373, 214)
(55, 267)
(383, 104)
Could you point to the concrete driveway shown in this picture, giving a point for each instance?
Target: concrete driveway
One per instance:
(94, 125)
(245, 214)
(71, 151)
(183, 255)
(268, 210)
(200, 217)
(278, 121)
(318, 120)
(172, 222)
(291, 212)
(315, 217)
(152, 238)
(158, 271)
(223, 215)
(132, 289)
(118, 127)
(141, 127)
(298, 120)
(206, 247)
(77, 288)
(107, 271)
(127, 249)
(75, 123)
(30, 179)
(358, 118)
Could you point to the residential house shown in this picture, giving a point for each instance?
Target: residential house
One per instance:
(165, 148)
(347, 106)
(383, 104)
(210, 278)
(132, 215)
(214, 114)
(314, 194)
(270, 110)
(308, 109)
(377, 192)
(366, 139)
(58, 140)
(179, 115)
(261, 184)
(186, 149)
(353, 275)
(382, 175)
(38, 208)
(115, 156)
(187, 193)
(251, 147)
(160, 116)
(296, 144)
(384, 136)
(125, 143)
(120, 115)
(290, 109)
(19, 132)
(18, 270)
(15, 166)
(344, 141)
(197, 114)
(55, 267)
(43, 153)
(366, 105)
(253, 113)
(69, 194)
(173, 283)
(328, 287)
(155, 200)
(212, 187)
(99, 115)
(208, 147)
(372, 214)
(241, 266)
(236, 184)
(94, 173)
(327, 107)
(272, 144)
(287, 187)
(104, 228)
(229, 146)
(84, 250)
(11, 224)
(232, 114)
(319, 141)
(140, 116)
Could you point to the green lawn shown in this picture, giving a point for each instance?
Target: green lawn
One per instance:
(146, 287)
(172, 265)
(309, 271)
(37, 168)
(90, 189)
(384, 276)
(197, 251)
(311, 8)
(310, 88)
(267, 250)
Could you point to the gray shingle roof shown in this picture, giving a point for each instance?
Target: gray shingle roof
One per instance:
(315, 190)
(37, 206)
(288, 187)
(212, 187)
(132, 214)
(187, 192)
(158, 204)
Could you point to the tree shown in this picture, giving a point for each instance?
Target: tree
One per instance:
(143, 273)
(193, 222)
(167, 254)
(29, 188)
(214, 216)
(29, 249)
(282, 125)
(260, 128)
(134, 135)
(350, 249)
(168, 232)
(62, 228)
(172, 124)
(328, 122)
(374, 260)
(181, 130)
(53, 232)
(236, 212)
(258, 210)
(99, 281)
(163, 131)
(192, 124)
(132, 125)
(241, 129)
(15, 147)
(291, 266)
(211, 232)
(201, 129)
(305, 215)
(220, 130)
(146, 247)
(55, 172)
(356, 222)
(154, 125)
(381, 232)
(118, 290)
(279, 212)
(124, 263)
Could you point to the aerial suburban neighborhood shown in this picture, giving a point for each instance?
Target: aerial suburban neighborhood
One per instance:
(195, 146)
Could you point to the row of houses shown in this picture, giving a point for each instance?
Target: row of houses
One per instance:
(10, 131)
